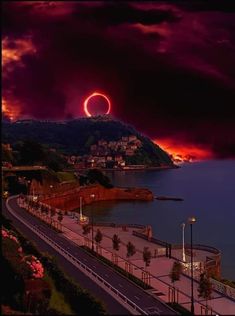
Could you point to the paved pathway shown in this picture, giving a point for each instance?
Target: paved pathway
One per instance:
(159, 267)
(137, 295)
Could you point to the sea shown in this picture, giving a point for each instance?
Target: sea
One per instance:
(208, 192)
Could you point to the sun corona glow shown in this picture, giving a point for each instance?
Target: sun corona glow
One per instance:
(86, 103)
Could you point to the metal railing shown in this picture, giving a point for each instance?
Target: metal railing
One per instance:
(152, 276)
(83, 267)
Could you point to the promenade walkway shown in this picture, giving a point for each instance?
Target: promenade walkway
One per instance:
(157, 274)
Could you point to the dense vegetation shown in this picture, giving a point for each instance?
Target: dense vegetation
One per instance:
(30, 152)
(76, 136)
(94, 176)
(64, 295)
(15, 182)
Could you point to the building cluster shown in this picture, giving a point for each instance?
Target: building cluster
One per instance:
(108, 154)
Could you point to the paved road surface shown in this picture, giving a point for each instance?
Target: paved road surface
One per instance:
(133, 292)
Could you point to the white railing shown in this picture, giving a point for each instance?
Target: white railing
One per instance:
(83, 267)
(223, 288)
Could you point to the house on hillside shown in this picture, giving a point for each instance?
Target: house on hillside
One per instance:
(132, 138)
(129, 152)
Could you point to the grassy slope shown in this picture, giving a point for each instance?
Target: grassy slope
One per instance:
(66, 176)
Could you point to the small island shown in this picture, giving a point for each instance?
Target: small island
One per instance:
(168, 198)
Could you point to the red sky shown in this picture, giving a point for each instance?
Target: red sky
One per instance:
(168, 68)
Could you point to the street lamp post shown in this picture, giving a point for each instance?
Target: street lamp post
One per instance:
(92, 226)
(191, 221)
(183, 246)
(80, 209)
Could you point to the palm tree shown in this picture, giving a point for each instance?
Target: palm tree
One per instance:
(147, 256)
(175, 273)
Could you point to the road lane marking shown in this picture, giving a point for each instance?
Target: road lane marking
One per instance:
(67, 255)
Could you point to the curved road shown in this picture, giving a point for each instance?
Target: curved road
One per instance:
(137, 295)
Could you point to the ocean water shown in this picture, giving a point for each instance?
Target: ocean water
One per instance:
(208, 190)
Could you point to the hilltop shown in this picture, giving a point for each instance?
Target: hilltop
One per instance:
(79, 137)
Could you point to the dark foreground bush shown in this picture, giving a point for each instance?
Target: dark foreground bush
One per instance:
(80, 300)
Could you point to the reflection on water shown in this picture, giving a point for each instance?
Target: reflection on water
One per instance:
(208, 192)
(100, 209)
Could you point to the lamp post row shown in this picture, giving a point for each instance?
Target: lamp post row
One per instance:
(191, 221)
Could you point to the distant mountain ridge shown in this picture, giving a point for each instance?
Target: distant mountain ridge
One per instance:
(74, 137)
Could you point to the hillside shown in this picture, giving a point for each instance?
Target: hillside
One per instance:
(75, 137)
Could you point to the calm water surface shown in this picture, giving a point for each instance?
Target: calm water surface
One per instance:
(208, 189)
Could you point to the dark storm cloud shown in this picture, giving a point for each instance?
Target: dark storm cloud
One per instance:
(115, 13)
(209, 5)
(169, 69)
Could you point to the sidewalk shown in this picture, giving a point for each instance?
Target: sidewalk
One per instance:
(156, 275)
(157, 272)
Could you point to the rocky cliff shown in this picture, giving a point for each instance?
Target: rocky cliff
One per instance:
(70, 200)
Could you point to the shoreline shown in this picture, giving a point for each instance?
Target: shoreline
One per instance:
(128, 169)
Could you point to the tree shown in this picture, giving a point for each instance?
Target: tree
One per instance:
(97, 176)
(14, 187)
(204, 287)
(98, 236)
(6, 154)
(55, 161)
(175, 274)
(53, 212)
(90, 141)
(116, 241)
(42, 208)
(86, 229)
(83, 180)
(31, 152)
(60, 216)
(130, 249)
(46, 210)
(147, 256)
(176, 271)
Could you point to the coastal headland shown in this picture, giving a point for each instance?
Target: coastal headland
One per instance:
(70, 200)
